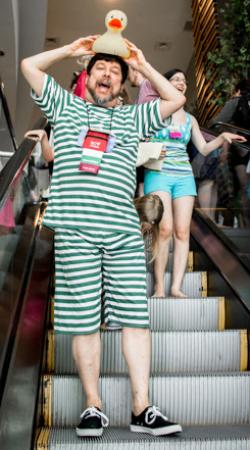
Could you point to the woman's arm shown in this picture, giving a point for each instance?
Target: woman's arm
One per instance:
(41, 136)
(207, 147)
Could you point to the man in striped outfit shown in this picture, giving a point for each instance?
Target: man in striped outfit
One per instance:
(98, 243)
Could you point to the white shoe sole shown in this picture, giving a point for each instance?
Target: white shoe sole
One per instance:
(163, 431)
(89, 432)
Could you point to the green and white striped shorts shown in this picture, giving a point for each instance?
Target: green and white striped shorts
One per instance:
(86, 265)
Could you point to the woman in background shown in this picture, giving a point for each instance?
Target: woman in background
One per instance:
(175, 185)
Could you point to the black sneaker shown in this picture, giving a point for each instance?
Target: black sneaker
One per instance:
(152, 421)
(92, 423)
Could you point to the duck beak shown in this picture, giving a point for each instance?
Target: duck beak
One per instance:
(115, 23)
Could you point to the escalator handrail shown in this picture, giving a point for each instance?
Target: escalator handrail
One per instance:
(23, 377)
(200, 219)
(17, 161)
(230, 126)
(223, 238)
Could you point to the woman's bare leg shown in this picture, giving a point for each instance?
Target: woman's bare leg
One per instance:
(182, 208)
(166, 226)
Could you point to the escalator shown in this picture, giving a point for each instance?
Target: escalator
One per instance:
(200, 364)
(199, 371)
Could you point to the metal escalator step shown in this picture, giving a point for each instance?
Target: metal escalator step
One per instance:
(178, 314)
(192, 438)
(213, 399)
(172, 352)
(194, 284)
(183, 314)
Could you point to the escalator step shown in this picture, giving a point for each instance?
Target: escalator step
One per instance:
(211, 399)
(172, 352)
(194, 284)
(192, 438)
(182, 314)
(178, 314)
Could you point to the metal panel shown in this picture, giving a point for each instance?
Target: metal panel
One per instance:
(176, 314)
(192, 400)
(192, 284)
(172, 352)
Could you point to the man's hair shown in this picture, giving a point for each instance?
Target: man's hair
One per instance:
(108, 57)
(243, 86)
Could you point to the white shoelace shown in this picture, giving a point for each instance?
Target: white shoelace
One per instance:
(153, 412)
(93, 412)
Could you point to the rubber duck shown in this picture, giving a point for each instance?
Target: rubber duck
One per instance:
(112, 41)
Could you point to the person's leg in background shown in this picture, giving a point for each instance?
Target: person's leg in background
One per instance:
(242, 178)
(139, 181)
(207, 195)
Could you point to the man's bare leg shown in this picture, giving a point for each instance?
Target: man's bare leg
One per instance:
(136, 347)
(86, 351)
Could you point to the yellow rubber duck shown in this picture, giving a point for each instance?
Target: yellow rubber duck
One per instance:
(112, 41)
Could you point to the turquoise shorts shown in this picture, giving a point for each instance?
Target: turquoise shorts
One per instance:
(176, 186)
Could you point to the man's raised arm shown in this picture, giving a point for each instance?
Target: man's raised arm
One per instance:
(171, 98)
(34, 67)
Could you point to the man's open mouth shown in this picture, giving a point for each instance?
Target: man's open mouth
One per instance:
(104, 85)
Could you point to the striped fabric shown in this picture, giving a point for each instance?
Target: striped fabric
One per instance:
(83, 200)
(80, 258)
(176, 162)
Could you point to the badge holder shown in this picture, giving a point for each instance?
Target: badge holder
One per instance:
(94, 144)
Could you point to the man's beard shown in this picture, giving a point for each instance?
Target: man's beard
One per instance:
(101, 101)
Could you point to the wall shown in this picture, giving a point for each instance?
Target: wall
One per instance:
(22, 33)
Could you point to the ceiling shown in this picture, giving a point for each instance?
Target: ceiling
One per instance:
(158, 27)
(150, 23)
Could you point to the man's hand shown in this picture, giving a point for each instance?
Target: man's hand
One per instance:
(35, 67)
(82, 46)
(136, 60)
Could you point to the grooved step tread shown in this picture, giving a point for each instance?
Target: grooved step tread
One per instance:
(172, 352)
(194, 284)
(215, 398)
(193, 438)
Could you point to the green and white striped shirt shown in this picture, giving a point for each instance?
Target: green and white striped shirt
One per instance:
(82, 200)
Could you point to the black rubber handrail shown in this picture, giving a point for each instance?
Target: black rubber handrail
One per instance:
(223, 238)
(231, 127)
(223, 255)
(23, 378)
(17, 161)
